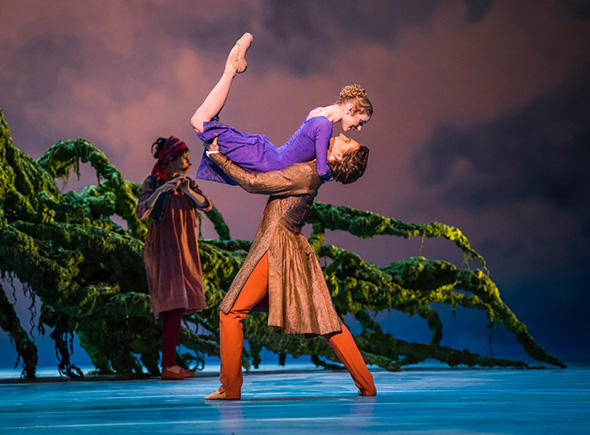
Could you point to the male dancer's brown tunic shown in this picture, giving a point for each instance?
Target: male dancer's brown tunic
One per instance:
(299, 301)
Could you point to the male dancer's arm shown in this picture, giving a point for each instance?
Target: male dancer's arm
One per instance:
(297, 179)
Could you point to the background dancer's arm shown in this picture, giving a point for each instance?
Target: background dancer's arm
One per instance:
(191, 189)
(149, 196)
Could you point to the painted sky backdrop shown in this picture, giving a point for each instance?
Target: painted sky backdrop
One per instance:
(482, 119)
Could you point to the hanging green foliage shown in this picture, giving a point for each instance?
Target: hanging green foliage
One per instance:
(88, 273)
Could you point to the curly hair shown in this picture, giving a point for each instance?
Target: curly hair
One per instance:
(352, 165)
(358, 96)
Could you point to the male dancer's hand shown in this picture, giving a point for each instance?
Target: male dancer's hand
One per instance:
(212, 146)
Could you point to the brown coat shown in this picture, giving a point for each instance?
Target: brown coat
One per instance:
(171, 252)
(298, 298)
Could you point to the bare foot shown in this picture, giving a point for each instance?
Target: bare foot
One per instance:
(236, 61)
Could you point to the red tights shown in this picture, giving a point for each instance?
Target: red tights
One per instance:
(170, 332)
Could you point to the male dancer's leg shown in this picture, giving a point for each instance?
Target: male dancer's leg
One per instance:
(347, 351)
(215, 100)
(231, 332)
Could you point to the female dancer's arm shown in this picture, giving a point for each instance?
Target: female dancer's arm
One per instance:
(322, 135)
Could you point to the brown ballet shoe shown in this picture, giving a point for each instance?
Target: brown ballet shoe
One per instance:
(168, 374)
(220, 395)
(236, 61)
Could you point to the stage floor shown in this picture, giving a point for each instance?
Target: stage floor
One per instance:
(424, 399)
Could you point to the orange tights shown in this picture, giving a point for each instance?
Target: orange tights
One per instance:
(232, 338)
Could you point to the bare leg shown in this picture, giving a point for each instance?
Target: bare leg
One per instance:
(214, 102)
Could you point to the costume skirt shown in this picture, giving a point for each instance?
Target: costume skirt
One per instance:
(252, 152)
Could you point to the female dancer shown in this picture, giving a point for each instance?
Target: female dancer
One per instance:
(256, 153)
(171, 252)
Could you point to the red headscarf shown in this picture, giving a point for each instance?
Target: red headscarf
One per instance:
(173, 148)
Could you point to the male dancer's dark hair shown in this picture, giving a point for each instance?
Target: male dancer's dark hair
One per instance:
(351, 167)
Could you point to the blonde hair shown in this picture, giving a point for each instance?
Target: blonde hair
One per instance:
(358, 96)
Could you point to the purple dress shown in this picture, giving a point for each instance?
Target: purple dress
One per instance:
(255, 153)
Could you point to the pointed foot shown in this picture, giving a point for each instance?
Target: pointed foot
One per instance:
(236, 61)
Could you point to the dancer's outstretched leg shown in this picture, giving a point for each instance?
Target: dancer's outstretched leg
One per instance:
(345, 348)
(235, 64)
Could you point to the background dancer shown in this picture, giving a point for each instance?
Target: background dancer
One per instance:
(171, 251)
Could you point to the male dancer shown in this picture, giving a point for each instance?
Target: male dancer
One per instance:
(282, 266)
